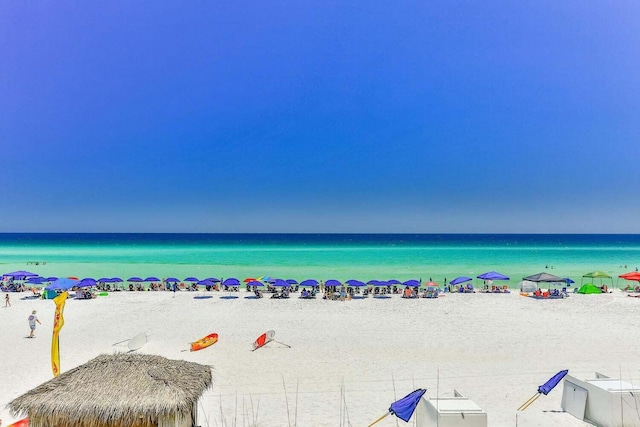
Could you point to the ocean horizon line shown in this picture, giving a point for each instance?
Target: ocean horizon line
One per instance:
(269, 233)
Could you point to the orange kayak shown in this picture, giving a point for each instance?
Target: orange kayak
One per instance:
(204, 342)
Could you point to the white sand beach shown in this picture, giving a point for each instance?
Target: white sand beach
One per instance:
(495, 349)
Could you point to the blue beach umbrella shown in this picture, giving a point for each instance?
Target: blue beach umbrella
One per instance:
(134, 279)
(282, 283)
(394, 282)
(51, 279)
(104, 280)
(212, 279)
(545, 388)
(231, 281)
(405, 407)
(86, 283)
(412, 283)
(332, 282)
(191, 279)
(493, 275)
(36, 280)
(461, 279)
(116, 279)
(171, 280)
(204, 282)
(20, 275)
(355, 283)
(151, 279)
(292, 281)
(309, 282)
(255, 283)
(62, 284)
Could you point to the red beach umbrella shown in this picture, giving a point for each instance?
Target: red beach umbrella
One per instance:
(634, 275)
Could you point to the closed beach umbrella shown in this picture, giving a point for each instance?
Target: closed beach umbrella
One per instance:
(151, 279)
(231, 281)
(134, 279)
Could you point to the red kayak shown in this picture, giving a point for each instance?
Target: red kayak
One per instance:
(204, 342)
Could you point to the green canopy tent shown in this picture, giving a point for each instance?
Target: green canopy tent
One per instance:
(589, 288)
(597, 275)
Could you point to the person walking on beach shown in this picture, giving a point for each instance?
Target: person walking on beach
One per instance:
(32, 323)
(7, 301)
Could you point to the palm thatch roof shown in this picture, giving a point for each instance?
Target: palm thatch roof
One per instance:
(116, 389)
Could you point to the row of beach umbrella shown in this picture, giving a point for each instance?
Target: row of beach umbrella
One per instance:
(69, 282)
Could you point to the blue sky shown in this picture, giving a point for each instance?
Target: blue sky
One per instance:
(320, 116)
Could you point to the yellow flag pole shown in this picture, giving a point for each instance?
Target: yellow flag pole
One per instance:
(379, 419)
(528, 403)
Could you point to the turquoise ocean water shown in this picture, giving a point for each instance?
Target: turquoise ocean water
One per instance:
(318, 256)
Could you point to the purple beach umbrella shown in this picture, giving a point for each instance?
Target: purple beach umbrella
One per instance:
(20, 275)
(280, 282)
(355, 283)
(493, 275)
(461, 279)
(86, 283)
(255, 283)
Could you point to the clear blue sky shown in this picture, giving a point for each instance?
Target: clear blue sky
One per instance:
(320, 116)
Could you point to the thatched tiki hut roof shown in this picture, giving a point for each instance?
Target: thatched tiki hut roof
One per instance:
(134, 390)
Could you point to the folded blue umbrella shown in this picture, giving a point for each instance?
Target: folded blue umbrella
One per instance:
(404, 407)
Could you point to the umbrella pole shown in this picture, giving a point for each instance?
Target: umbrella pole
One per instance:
(379, 419)
(280, 342)
(528, 403)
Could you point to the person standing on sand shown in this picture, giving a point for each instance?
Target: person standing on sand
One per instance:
(32, 323)
(7, 301)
